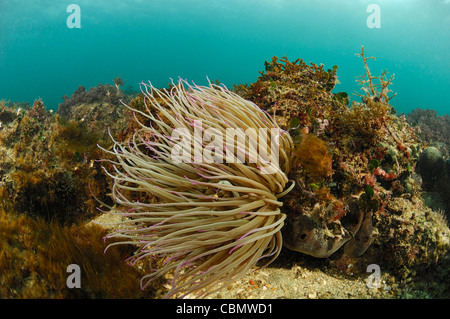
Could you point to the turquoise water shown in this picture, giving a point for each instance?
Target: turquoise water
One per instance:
(228, 40)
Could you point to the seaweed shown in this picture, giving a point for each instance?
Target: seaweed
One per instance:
(73, 139)
(432, 128)
(49, 194)
(102, 94)
(48, 164)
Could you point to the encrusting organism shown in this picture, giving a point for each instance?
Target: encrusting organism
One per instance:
(209, 221)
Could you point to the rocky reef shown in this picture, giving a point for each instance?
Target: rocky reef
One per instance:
(35, 255)
(353, 159)
(50, 180)
(366, 183)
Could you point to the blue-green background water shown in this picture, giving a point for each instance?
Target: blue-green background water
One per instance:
(228, 40)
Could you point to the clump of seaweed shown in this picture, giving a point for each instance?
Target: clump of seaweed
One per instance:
(209, 221)
(49, 179)
(35, 255)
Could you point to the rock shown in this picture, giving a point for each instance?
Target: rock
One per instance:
(430, 165)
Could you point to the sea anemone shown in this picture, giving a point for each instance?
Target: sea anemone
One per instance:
(211, 214)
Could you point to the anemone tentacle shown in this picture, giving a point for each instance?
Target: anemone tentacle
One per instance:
(210, 221)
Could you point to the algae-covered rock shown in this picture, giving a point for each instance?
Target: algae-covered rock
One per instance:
(412, 237)
(373, 155)
(49, 161)
(430, 164)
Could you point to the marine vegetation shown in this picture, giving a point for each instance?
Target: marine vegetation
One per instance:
(354, 184)
(209, 220)
(103, 94)
(47, 162)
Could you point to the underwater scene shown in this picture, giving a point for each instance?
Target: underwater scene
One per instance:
(224, 149)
